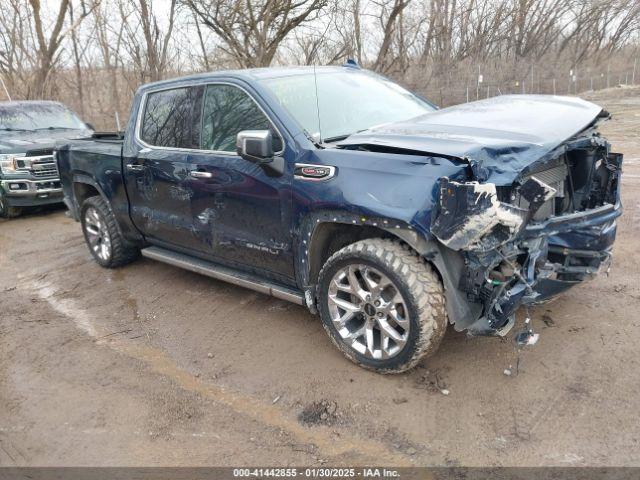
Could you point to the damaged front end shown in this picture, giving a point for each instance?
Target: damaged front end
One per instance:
(528, 241)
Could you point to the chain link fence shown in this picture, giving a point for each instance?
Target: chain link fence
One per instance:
(571, 83)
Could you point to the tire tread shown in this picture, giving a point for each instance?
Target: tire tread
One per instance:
(421, 281)
(122, 252)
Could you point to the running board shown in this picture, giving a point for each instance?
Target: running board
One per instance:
(221, 273)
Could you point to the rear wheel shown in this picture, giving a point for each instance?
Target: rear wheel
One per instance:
(382, 305)
(102, 234)
(5, 210)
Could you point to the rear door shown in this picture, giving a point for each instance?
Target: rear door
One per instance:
(156, 174)
(241, 212)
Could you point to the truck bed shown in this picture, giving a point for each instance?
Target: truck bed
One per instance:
(95, 163)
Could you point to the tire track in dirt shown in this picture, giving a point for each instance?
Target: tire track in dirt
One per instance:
(160, 363)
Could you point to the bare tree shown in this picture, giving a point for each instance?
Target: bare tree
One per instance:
(390, 21)
(157, 44)
(17, 54)
(151, 58)
(29, 52)
(203, 48)
(78, 51)
(328, 40)
(357, 30)
(251, 31)
(109, 39)
(47, 47)
(438, 47)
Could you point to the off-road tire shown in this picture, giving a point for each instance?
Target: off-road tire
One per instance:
(417, 282)
(122, 251)
(6, 211)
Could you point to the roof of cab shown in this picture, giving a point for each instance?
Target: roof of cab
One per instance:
(26, 103)
(251, 74)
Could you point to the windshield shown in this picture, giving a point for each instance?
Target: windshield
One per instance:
(38, 116)
(348, 101)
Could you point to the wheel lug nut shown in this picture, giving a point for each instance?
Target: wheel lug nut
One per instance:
(377, 303)
(380, 314)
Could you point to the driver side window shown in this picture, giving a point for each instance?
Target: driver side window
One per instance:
(227, 111)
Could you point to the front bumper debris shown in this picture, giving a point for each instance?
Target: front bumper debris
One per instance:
(516, 256)
(538, 268)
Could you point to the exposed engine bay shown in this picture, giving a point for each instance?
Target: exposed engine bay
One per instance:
(529, 241)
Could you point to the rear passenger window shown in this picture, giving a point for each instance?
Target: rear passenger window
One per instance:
(227, 111)
(172, 118)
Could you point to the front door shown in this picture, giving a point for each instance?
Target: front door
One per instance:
(240, 212)
(156, 175)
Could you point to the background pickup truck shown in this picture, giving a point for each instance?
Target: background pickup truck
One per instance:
(28, 132)
(338, 189)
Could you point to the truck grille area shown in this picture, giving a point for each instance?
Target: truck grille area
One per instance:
(42, 166)
(44, 170)
(48, 185)
(556, 178)
(583, 179)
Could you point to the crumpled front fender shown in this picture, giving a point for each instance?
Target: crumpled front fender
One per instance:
(468, 215)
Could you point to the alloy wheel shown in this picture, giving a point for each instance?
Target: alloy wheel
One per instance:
(97, 234)
(368, 311)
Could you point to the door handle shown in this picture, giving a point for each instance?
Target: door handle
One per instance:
(135, 167)
(199, 174)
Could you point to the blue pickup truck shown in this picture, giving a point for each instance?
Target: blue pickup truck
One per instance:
(338, 189)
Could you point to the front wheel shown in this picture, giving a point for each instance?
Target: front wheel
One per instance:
(5, 210)
(382, 305)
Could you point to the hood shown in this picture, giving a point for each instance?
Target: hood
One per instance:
(499, 137)
(21, 142)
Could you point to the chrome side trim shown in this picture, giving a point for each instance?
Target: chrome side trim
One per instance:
(220, 273)
(198, 174)
(289, 297)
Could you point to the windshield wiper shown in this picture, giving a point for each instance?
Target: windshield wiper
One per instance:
(9, 129)
(337, 138)
(55, 128)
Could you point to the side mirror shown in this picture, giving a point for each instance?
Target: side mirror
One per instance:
(255, 146)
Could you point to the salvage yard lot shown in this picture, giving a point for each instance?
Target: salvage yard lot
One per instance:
(153, 365)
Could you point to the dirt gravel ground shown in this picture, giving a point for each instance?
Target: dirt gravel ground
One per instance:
(152, 365)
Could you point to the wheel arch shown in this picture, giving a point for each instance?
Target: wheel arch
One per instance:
(322, 234)
(84, 187)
